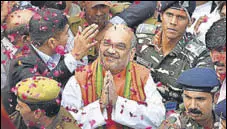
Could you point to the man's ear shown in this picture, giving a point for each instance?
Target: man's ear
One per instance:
(132, 54)
(52, 43)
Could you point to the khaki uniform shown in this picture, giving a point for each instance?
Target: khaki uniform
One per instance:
(63, 120)
(188, 53)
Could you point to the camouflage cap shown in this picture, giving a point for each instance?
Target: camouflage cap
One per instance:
(37, 89)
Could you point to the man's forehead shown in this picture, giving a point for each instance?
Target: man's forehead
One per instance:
(180, 12)
(196, 94)
(120, 29)
(118, 33)
(95, 3)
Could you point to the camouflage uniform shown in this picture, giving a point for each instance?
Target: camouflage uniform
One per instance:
(188, 53)
(185, 122)
(62, 121)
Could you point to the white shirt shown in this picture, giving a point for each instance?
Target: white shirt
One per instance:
(146, 116)
(204, 27)
(69, 60)
(200, 10)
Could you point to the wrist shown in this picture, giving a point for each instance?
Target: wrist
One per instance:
(76, 56)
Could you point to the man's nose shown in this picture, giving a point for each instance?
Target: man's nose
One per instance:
(173, 21)
(193, 104)
(111, 50)
(99, 12)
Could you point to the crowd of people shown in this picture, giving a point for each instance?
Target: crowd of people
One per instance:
(113, 64)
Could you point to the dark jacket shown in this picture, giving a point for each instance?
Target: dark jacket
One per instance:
(137, 13)
(63, 120)
(21, 68)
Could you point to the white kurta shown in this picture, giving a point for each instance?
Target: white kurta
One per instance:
(126, 112)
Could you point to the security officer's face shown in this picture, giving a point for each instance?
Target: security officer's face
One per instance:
(219, 60)
(26, 113)
(115, 49)
(98, 14)
(174, 23)
(198, 105)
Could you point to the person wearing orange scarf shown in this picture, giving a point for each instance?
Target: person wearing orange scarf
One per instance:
(114, 92)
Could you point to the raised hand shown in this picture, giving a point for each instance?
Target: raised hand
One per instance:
(83, 41)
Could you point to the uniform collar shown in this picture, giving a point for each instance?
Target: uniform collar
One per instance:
(177, 49)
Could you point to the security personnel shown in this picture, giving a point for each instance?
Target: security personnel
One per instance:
(200, 86)
(220, 110)
(167, 50)
(39, 105)
(98, 12)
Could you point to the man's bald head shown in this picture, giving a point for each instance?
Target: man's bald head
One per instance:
(18, 17)
(17, 25)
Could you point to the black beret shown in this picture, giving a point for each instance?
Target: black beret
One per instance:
(188, 5)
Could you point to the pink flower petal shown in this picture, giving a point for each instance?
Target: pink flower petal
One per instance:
(133, 91)
(142, 103)
(159, 84)
(59, 84)
(42, 127)
(86, 24)
(60, 49)
(205, 19)
(92, 122)
(82, 14)
(149, 127)
(12, 37)
(24, 97)
(36, 16)
(58, 101)
(60, 2)
(4, 26)
(56, 21)
(43, 28)
(80, 125)
(136, 2)
(33, 70)
(46, 18)
(54, 14)
(32, 85)
(30, 124)
(56, 73)
(3, 62)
